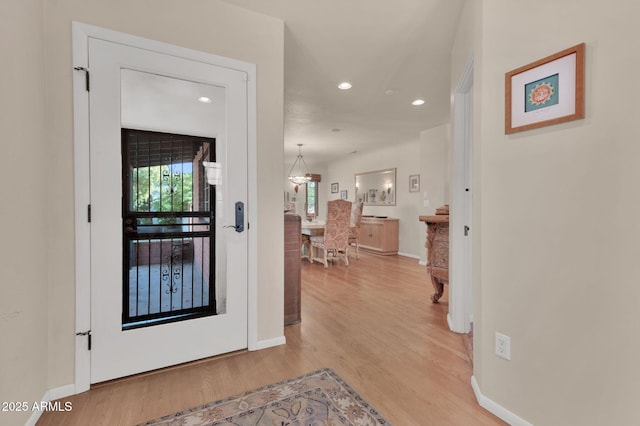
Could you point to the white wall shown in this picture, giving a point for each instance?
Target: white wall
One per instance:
(435, 146)
(23, 206)
(37, 254)
(558, 220)
(423, 157)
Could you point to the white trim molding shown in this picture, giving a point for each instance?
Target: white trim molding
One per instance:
(268, 343)
(50, 395)
(495, 408)
(82, 199)
(460, 300)
(411, 256)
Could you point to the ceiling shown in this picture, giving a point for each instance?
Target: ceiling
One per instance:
(392, 52)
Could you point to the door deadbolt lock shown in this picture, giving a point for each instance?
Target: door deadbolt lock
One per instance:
(239, 226)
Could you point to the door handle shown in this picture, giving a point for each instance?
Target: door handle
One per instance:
(239, 226)
(239, 216)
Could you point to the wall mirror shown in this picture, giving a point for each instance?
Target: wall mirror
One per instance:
(376, 188)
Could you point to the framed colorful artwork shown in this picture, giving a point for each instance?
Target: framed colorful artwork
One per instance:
(545, 92)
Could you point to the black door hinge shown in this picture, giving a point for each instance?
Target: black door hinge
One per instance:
(466, 230)
(86, 74)
(88, 334)
(89, 213)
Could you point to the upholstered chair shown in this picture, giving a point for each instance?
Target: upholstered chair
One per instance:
(335, 240)
(354, 231)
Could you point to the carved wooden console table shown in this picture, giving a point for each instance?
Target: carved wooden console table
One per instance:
(437, 251)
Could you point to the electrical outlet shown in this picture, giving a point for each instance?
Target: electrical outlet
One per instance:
(503, 346)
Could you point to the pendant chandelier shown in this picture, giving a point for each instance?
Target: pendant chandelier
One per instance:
(296, 174)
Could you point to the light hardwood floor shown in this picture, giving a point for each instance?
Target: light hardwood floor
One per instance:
(371, 322)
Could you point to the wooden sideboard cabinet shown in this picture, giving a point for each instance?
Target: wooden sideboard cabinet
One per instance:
(379, 235)
(292, 268)
(437, 252)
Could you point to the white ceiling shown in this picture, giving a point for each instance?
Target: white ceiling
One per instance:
(401, 46)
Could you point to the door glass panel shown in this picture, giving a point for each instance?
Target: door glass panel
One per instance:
(168, 228)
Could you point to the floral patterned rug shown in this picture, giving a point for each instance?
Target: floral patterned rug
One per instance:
(318, 398)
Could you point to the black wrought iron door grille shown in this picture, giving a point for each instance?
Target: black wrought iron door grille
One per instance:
(168, 228)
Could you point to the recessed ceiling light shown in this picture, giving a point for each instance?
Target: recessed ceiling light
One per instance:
(417, 102)
(390, 92)
(345, 85)
(204, 100)
(336, 130)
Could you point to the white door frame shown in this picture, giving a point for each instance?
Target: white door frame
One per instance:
(81, 34)
(460, 288)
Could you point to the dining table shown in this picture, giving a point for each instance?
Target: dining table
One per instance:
(312, 228)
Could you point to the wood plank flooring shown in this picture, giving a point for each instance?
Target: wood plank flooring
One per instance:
(371, 322)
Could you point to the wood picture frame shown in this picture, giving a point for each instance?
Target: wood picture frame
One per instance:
(546, 92)
(334, 188)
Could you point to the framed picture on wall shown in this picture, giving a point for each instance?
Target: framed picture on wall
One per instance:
(334, 188)
(548, 91)
(343, 194)
(414, 183)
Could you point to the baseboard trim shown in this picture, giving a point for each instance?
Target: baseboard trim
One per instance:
(450, 322)
(51, 395)
(268, 343)
(495, 408)
(62, 392)
(422, 263)
(412, 256)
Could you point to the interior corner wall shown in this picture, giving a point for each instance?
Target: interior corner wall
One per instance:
(559, 221)
(23, 260)
(214, 27)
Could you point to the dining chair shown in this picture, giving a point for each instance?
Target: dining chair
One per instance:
(306, 247)
(354, 230)
(336, 233)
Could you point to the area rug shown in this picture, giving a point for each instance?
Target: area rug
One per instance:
(318, 398)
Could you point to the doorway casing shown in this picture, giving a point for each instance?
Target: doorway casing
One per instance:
(460, 291)
(81, 34)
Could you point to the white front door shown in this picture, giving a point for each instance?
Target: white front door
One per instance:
(168, 266)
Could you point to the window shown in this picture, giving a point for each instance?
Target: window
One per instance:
(312, 199)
